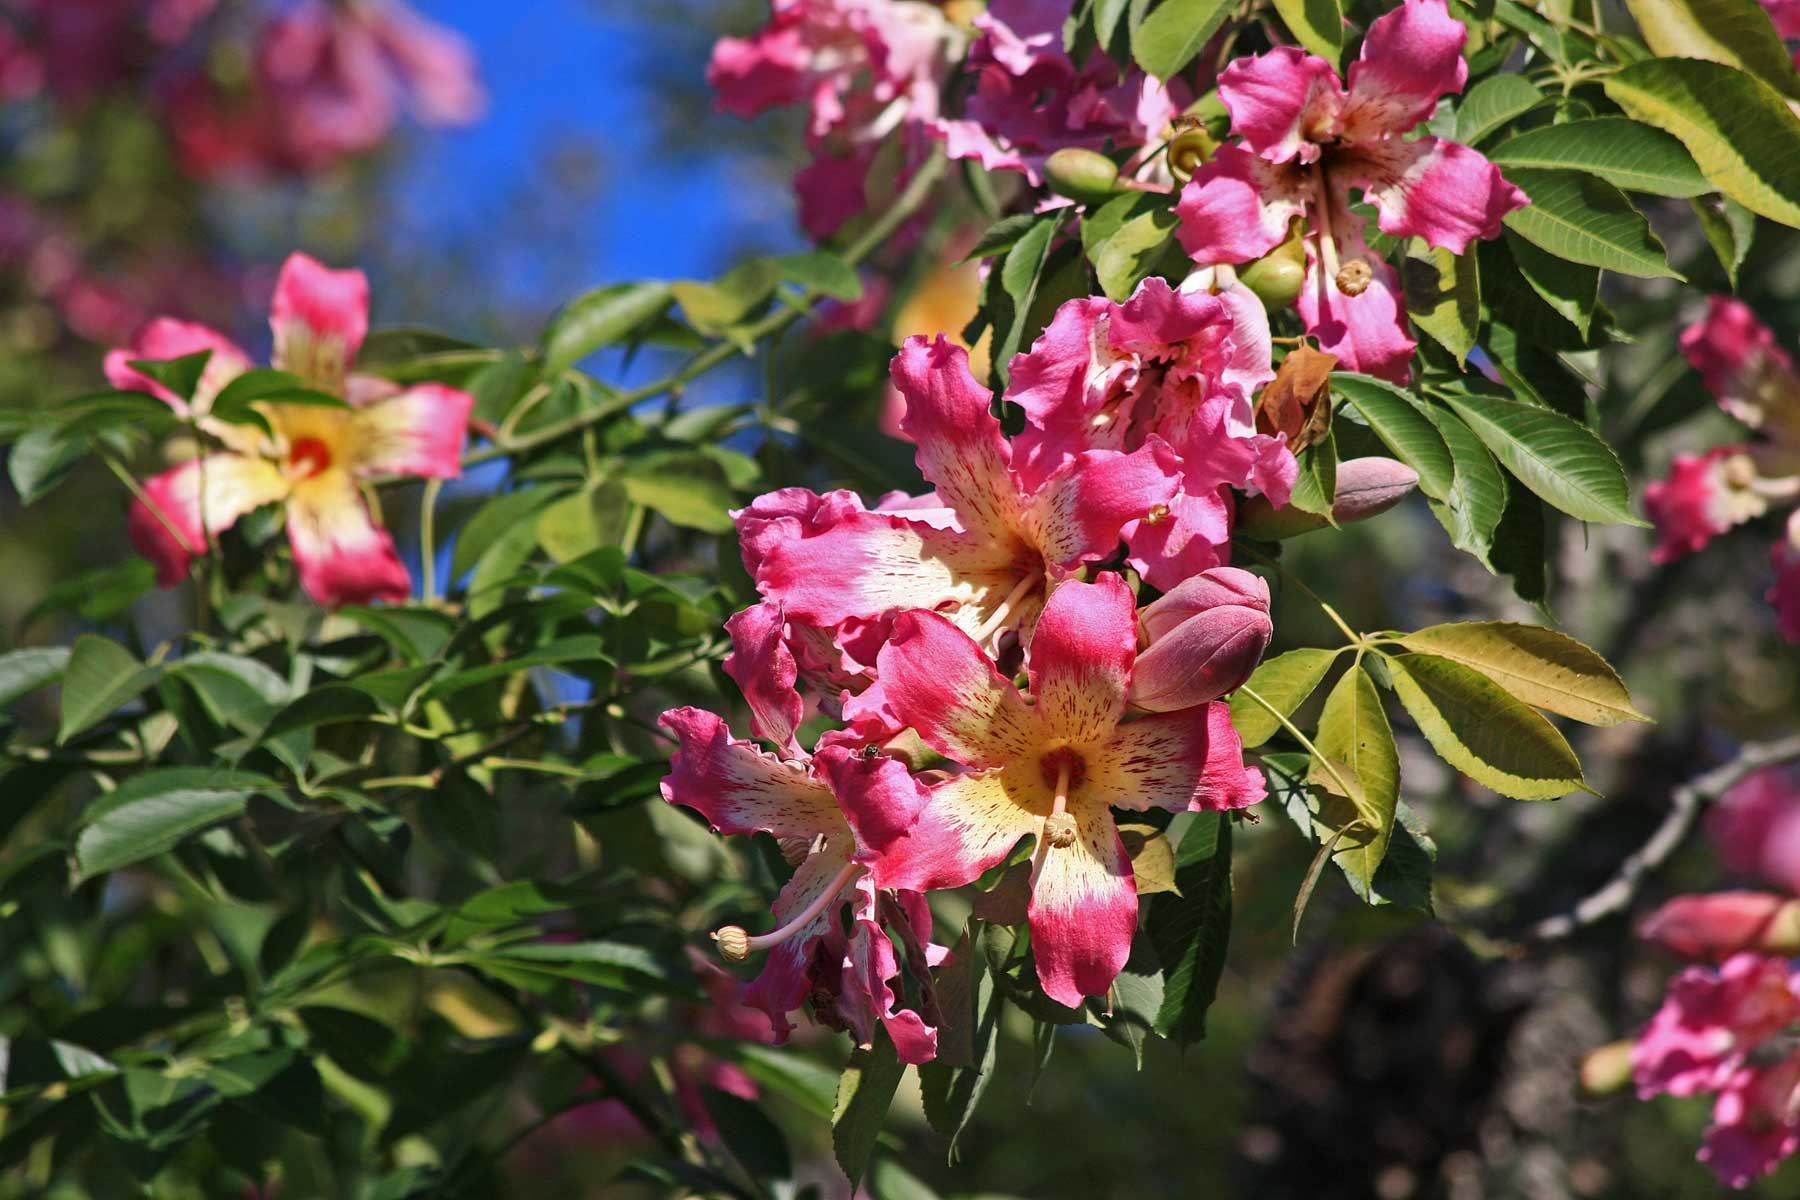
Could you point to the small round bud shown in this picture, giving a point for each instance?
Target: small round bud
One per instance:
(1059, 830)
(1085, 176)
(733, 943)
(794, 848)
(1190, 148)
(1354, 277)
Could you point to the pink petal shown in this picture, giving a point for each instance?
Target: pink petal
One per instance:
(1755, 1125)
(786, 979)
(319, 317)
(343, 556)
(1238, 207)
(1283, 103)
(969, 824)
(932, 678)
(764, 669)
(1081, 658)
(1083, 508)
(1055, 383)
(421, 431)
(866, 997)
(1443, 192)
(234, 485)
(750, 75)
(832, 189)
(1713, 926)
(435, 65)
(1410, 57)
(1083, 909)
(877, 794)
(774, 517)
(1192, 760)
(1694, 504)
(1784, 593)
(1367, 332)
(1194, 537)
(164, 338)
(961, 448)
(740, 789)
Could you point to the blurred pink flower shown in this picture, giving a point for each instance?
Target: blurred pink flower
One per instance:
(1717, 925)
(1704, 495)
(1756, 827)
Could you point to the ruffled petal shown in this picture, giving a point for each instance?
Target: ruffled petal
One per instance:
(877, 794)
(234, 485)
(1190, 761)
(1081, 658)
(740, 789)
(932, 678)
(1238, 207)
(1083, 909)
(764, 670)
(786, 977)
(1060, 383)
(1193, 537)
(1410, 57)
(1443, 192)
(421, 431)
(319, 317)
(1283, 103)
(343, 556)
(1083, 508)
(1366, 332)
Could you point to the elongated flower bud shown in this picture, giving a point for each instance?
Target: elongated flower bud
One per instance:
(1206, 637)
(1366, 487)
(1720, 924)
(1084, 176)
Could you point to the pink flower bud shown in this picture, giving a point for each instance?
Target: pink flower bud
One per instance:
(1721, 924)
(1366, 487)
(1205, 637)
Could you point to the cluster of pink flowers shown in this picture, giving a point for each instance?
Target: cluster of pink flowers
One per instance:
(71, 49)
(1305, 141)
(874, 74)
(314, 460)
(1728, 1030)
(1706, 494)
(917, 614)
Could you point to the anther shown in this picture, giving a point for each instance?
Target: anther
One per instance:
(1059, 830)
(1157, 515)
(1354, 277)
(733, 942)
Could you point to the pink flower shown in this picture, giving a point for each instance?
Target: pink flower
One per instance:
(1201, 640)
(1755, 827)
(1756, 1123)
(1784, 593)
(1720, 924)
(1054, 768)
(995, 539)
(1172, 366)
(1741, 364)
(1030, 99)
(1307, 141)
(831, 812)
(316, 458)
(1710, 1020)
(870, 71)
(1704, 496)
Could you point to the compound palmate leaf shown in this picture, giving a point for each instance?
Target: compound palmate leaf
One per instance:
(1544, 668)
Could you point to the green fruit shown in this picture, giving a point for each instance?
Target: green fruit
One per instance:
(1275, 278)
(1084, 176)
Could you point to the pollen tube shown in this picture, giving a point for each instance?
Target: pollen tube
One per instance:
(736, 946)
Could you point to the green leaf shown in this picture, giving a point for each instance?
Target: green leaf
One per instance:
(180, 375)
(600, 318)
(1403, 428)
(1165, 36)
(1522, 547)
(101, 677)
(1003, 234)
(1285, 681)
(41, 459)
(1743, 136)
(25, 671)
(1316, 486)
(151, 813)
(1543, 668)
(1123, 260)
(823, 272)
(1477, 500)
(1570, 289)
(687, 488)
(605, 964)
(1019, 274)
(332, 704)
(237, 400)
(492, 521)
(780, 1070)
(1443, 297)
(864, 1092)
(1316, 24)
(968, 1041)
(1553, 456)
(1585, 219)
(581, 523)
(753, 1139)
(1737, 33)
(713, 307)
(1354, 731)
(1729, 228)
(1628, 155)
(1192, 930)
(1490, 104)
(1478, 728)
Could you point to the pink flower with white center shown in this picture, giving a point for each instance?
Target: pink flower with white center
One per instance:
(1742, 366)
(831, 812)
(1054, 768)
(1031, 99)
(1704, 496)
(1002, 537)
(1756, 1123)
(869, 69)
(1167, 365)
(315, 461)
(1307, 141)
(1710, 1020)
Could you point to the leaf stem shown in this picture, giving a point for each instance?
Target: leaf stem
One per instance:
(428, 539)
(1305, 742)
(1356, 639)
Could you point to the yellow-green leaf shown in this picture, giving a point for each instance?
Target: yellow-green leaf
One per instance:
(1544, 668)
(1477, 727)
(1354, 733)
(1152, 858)
(1737, 33)
(1285, 682)
(1316, 24)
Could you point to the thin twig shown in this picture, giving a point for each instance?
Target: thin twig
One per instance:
(1685, 803)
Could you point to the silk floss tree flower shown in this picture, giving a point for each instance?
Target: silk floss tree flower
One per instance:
(314, 460)
(831, 812)
(1053, 768)
(1307, 141)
